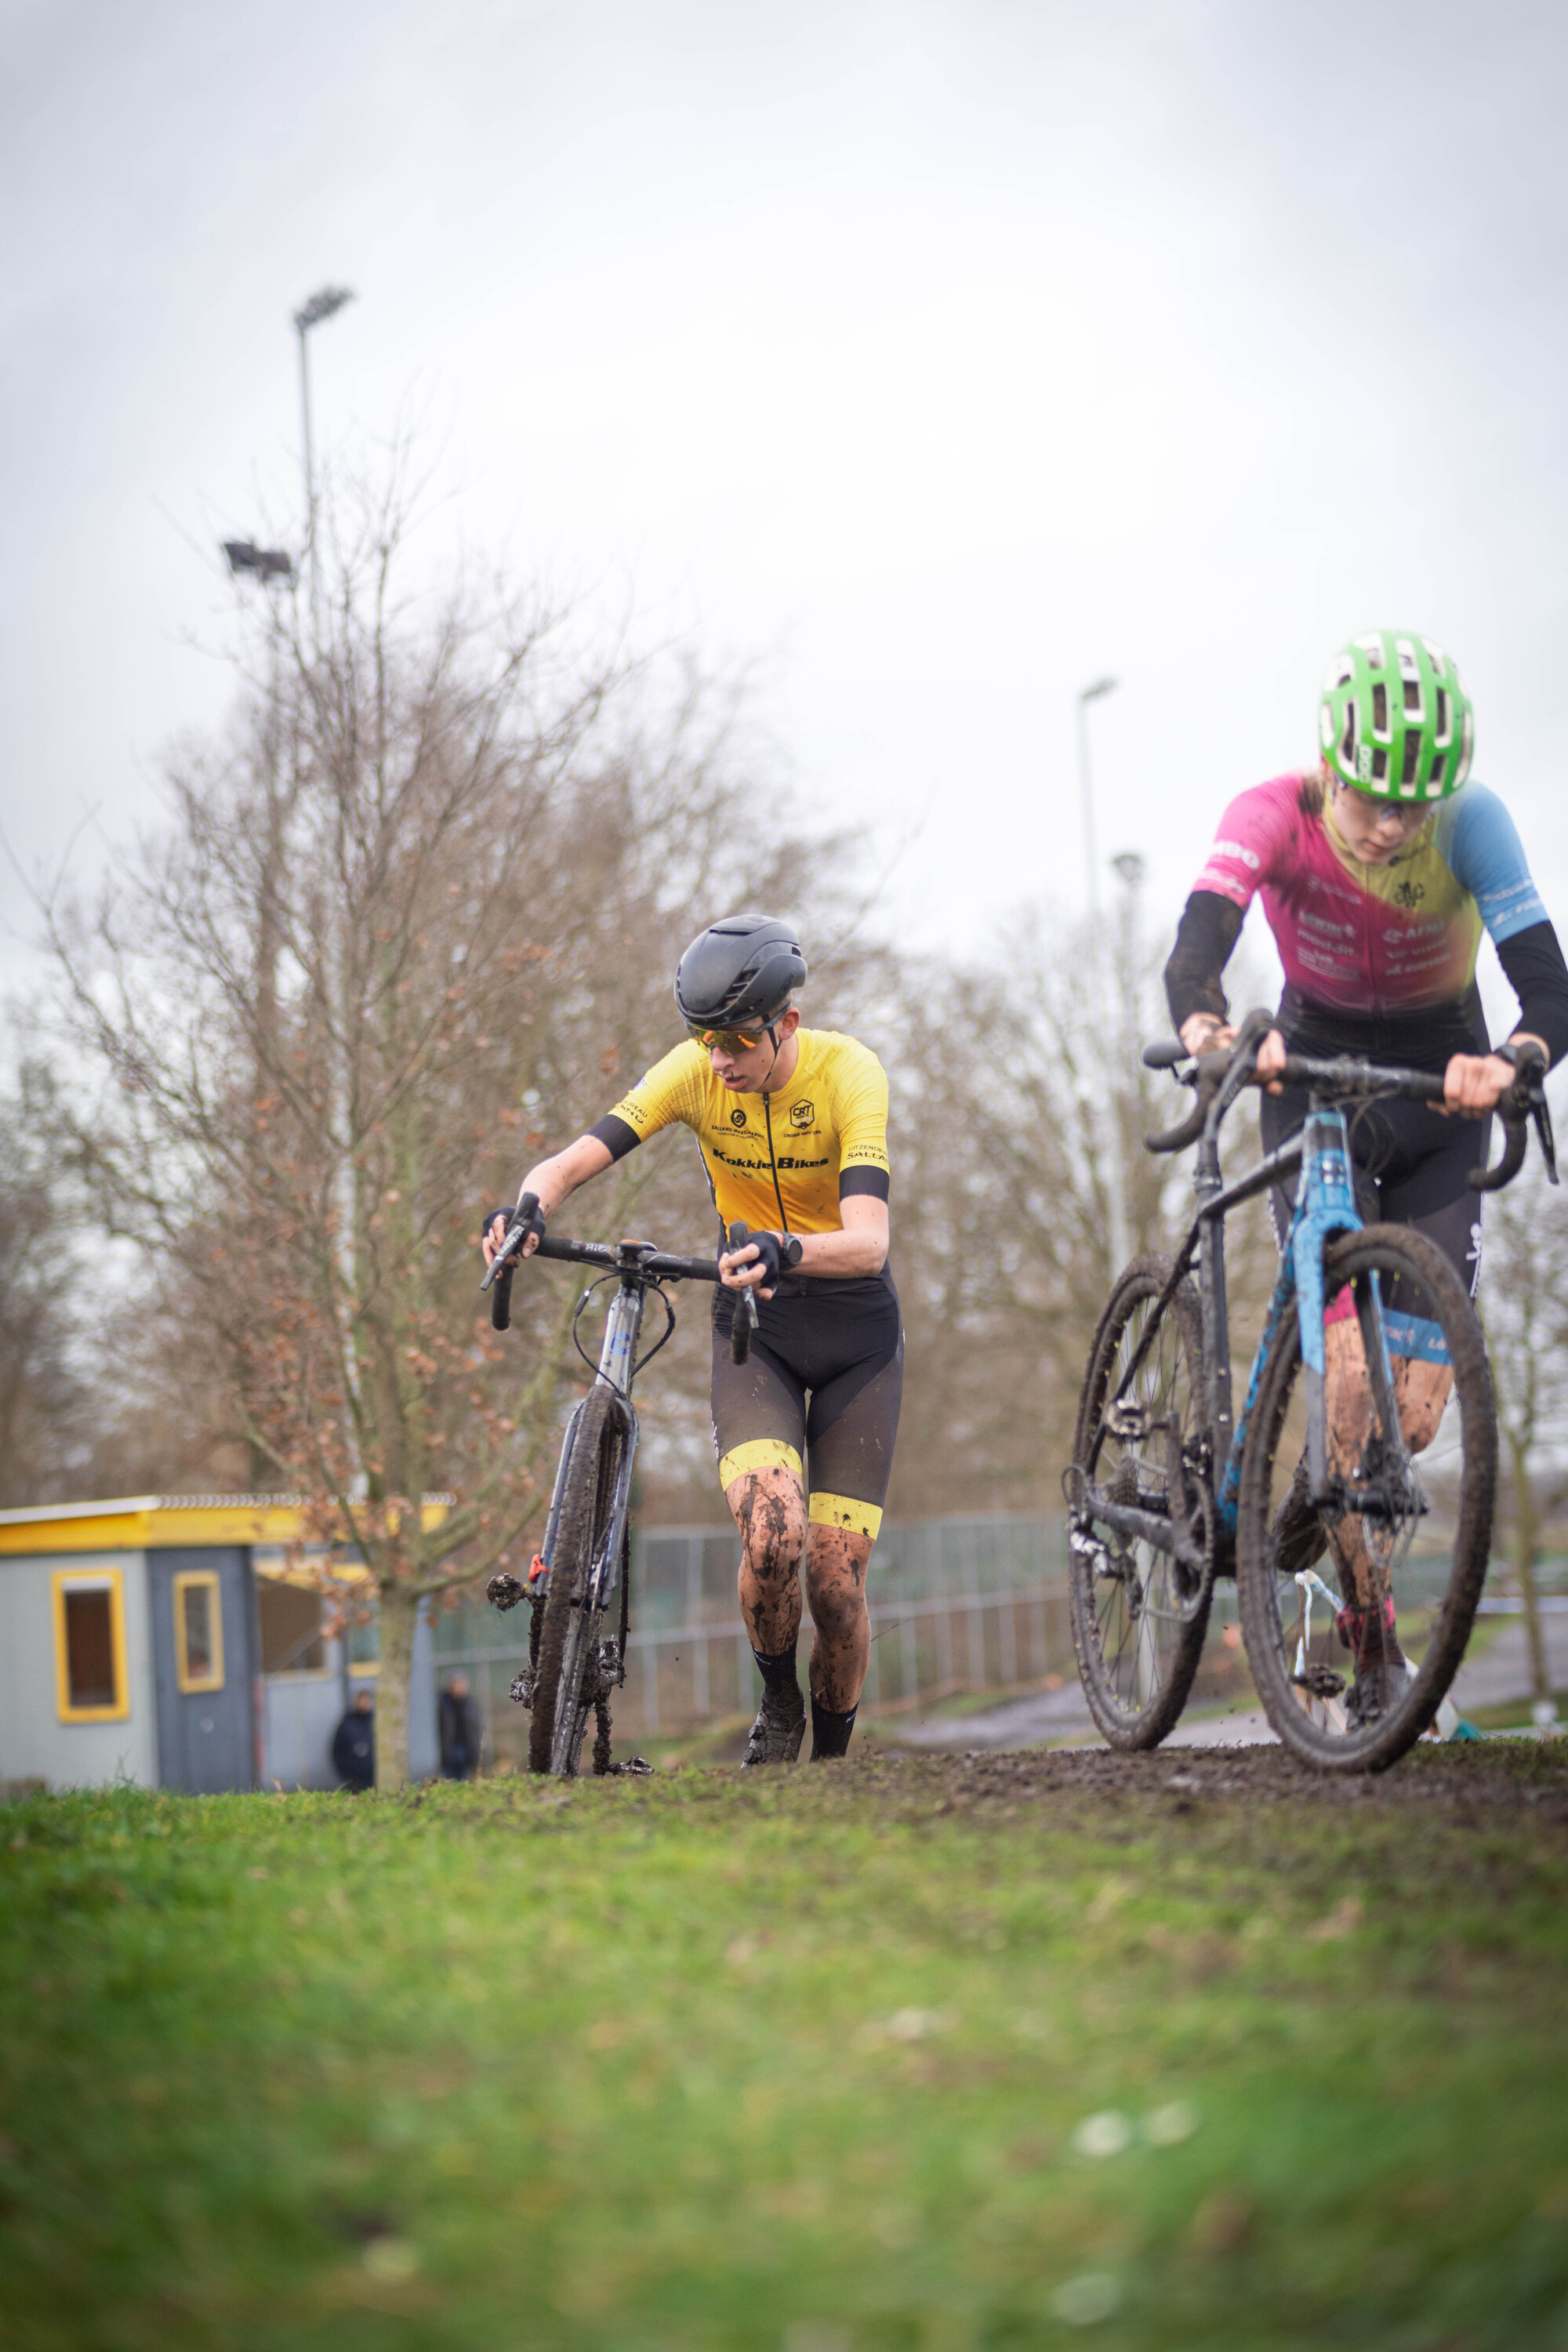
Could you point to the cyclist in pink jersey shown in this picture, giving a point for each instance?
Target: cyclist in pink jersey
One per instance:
(1378, 876)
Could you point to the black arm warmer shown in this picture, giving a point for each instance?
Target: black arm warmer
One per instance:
(1532, 962)
(1209, 928)
(864, 1180)
(617, 1137)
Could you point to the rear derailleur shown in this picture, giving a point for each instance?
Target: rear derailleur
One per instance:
(602, 1673)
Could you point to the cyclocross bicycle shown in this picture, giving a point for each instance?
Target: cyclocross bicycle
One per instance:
(582, 1566)
(1352, 1646)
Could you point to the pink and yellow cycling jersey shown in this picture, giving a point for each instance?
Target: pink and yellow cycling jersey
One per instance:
(1399, 938)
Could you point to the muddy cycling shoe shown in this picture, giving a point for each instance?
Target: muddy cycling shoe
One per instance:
(1379, 1685)
(1298, 1534)
(504, 1591)
(778, 1731)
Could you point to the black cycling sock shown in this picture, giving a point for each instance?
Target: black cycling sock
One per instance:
(830, 1732)
(779, 1674)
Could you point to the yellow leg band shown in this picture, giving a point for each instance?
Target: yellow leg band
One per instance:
(762, 1454)
(843, 1511)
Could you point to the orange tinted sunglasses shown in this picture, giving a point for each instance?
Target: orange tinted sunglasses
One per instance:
(729, 1041)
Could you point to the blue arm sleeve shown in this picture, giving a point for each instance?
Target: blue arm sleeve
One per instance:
(1485, 854)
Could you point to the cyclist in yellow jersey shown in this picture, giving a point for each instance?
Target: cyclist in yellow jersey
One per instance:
(792, 1127)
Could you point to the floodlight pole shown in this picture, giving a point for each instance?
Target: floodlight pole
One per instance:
(309, 453)
(273, 567)
(1118, 993)
(1102, 685)
(324, 303)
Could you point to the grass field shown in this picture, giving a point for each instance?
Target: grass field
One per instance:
(1185, 2050)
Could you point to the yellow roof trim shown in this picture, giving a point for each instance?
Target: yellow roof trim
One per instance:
(163, 1522)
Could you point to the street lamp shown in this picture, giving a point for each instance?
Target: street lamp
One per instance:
(325, 303)
(273, 567)
(246, 561)
(1102, 685)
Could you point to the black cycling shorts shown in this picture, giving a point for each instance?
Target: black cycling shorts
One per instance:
(819, 1394)
(1411, 1168)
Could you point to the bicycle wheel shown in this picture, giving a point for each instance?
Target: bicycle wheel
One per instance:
(1352, 1657)
(1138, 1615)
(567, 1677)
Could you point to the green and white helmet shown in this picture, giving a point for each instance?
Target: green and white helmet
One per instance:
(1394, 719)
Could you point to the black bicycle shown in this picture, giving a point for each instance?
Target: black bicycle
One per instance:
(582, 1570)
(1366, 1451)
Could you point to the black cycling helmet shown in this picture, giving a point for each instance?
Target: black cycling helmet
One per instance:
(738, 972)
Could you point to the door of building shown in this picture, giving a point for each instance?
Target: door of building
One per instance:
(203, 1606)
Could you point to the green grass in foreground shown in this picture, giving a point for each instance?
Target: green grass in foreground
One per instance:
(927, 2054)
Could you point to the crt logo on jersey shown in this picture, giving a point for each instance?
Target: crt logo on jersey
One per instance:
(803, 1114)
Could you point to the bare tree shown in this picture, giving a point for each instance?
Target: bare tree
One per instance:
(411, 922)
(47, 1397)
(1021, 1103)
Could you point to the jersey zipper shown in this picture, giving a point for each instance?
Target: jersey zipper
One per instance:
(1375, 985)
(768, 1119)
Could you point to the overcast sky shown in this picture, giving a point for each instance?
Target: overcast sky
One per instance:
(937, 358)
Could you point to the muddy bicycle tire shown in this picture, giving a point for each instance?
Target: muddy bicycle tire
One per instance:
(1295, 1656)
(1137, 1659)
(566, 1678)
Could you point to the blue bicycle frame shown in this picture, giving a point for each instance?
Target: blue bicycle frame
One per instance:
(1325, 1207)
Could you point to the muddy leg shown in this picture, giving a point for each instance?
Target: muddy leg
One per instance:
(769, 1508)
(835, 1562)
(1421, 1391)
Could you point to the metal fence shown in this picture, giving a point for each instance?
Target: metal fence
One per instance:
(956, 1605)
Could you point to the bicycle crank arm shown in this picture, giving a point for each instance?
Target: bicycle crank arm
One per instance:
(1152, 1527)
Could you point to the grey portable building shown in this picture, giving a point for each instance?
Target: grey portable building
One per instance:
(177, 1641)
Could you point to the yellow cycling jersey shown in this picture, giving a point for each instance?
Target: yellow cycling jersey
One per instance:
(784, 1159)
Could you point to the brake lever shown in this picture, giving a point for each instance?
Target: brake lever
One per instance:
(1542, 1117)
(1529, 1092)
(1524, 1104)
(505, 1259)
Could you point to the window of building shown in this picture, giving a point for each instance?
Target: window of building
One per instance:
(198, 1629)
(89, 1647)
(290, 1617)
(362, 1635)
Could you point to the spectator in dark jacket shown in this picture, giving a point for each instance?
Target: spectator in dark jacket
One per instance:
(459, 1731)
(353, 1743)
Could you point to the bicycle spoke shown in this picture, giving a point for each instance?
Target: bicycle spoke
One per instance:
(1138, 1615)
(1356, 1609)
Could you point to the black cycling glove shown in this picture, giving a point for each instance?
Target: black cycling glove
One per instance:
(777, 1252)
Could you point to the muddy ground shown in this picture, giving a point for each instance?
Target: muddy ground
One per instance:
(1461, 1783)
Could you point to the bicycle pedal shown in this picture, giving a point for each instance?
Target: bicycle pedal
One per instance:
(1320, 1682)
